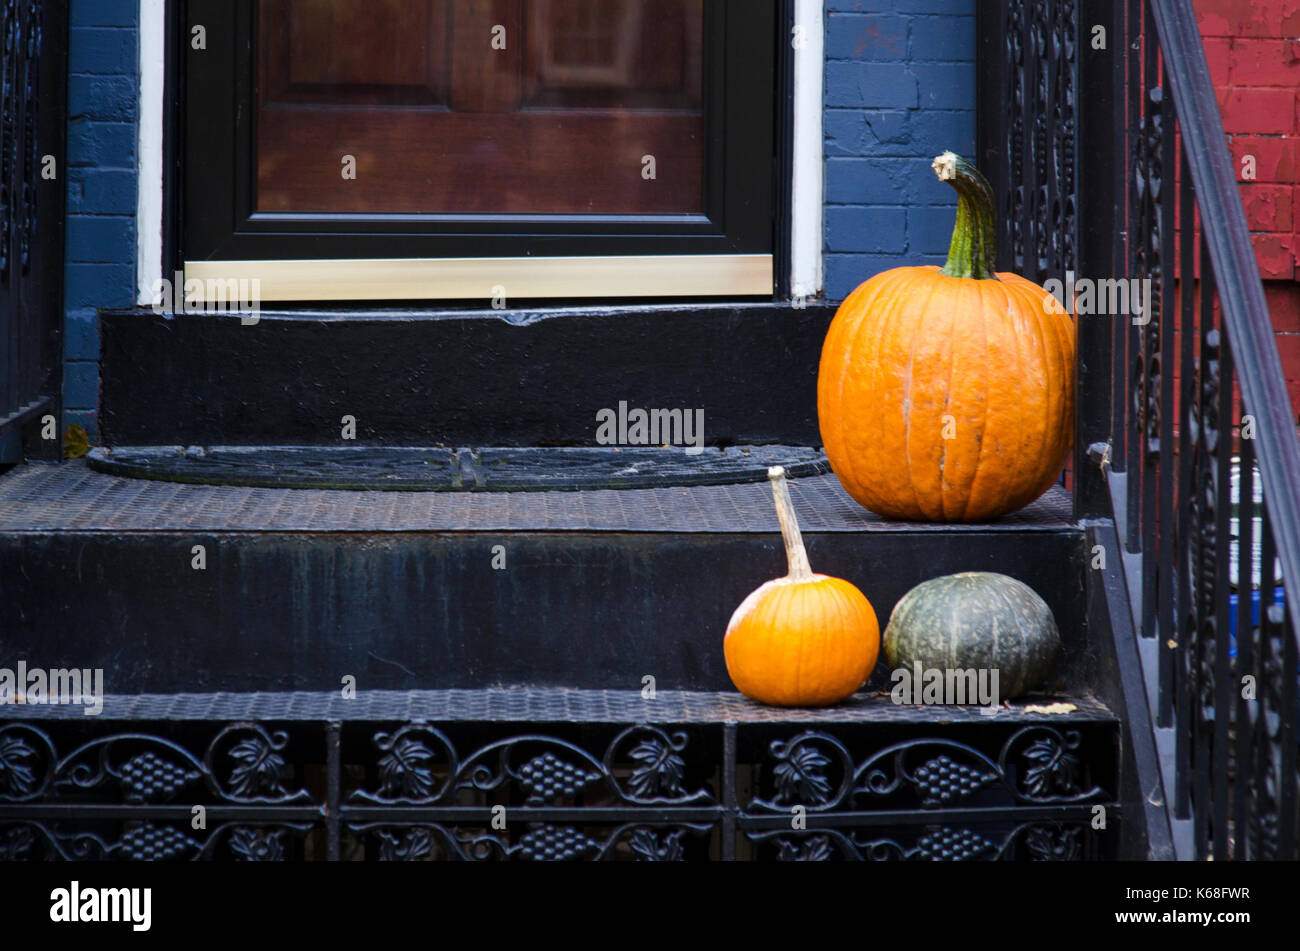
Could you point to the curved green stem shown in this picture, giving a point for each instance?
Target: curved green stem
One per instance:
(974, 235)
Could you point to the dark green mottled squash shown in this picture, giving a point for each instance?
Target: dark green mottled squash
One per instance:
(979, 620)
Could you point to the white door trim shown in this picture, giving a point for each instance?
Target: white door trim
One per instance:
(149, 150)
(807, 188)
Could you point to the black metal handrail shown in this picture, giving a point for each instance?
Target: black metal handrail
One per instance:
(1226, 674)
(1101, 132)
(1245, 311)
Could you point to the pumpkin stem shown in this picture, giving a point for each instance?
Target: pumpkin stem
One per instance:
(974, 234)
(800, 570)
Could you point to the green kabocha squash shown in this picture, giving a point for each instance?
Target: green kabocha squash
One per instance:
(975, 620)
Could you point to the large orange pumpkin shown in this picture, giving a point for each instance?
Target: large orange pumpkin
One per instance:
(805, 640)
(947, 394)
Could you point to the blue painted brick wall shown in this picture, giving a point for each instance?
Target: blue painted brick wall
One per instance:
(103, 83)
(900, 89)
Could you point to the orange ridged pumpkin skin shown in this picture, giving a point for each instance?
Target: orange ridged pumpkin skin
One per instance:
(913, 345)
(802, 643)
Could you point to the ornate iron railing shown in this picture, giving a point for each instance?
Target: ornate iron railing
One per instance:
(538, 774)
(1185, 426)
(32, 88)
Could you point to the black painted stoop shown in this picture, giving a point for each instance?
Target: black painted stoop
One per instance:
(371, 674)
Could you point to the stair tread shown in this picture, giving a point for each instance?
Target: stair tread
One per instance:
(544, 704)
(73, 498)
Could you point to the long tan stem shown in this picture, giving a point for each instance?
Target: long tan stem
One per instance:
(794, 550)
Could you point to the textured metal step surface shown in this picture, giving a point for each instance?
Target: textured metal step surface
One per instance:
(546, 705)
(469, 469)
(73, 498)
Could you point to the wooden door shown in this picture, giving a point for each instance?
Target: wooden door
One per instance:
(483, 107)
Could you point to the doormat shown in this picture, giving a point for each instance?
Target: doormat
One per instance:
(485, 469)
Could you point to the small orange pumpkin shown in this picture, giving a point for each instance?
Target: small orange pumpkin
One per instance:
(804, 640)
(947, 395)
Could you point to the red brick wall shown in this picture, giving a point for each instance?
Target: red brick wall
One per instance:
(1253, 48)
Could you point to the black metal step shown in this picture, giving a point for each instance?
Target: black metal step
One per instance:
(458, 378)
(525, 704)
(403, 590)
(74, 498)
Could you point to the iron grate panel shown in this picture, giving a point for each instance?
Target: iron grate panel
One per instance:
(539, 705)
(73, 498)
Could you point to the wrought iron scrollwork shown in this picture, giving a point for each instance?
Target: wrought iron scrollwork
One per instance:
(242, 764)
(659, 845)
(410, 792)
(31, 148)
(1204, 436)
(1051, 770)
(642, 766)
(800, 773)
(659, 769)
(1014, 52)
(545, 769)
(1039, 52)
(1041, 841)
(28, 762)
(155, 842)
(537, 842)
(405, 845)
(146, 840)
(1149, 181)
(1036, 764)
(1054, 843)
(407, 766)
(11, 31)
(20, 160)
(1064, 219)
(17, 843)
(1269, 771)
(257, 844)
(259, 773)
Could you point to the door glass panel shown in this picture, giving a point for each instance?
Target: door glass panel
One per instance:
(527, 107)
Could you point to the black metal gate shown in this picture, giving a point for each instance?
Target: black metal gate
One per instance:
(33, 93)
(1102, 137)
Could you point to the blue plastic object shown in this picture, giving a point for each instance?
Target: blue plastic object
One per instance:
(1280, 595)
